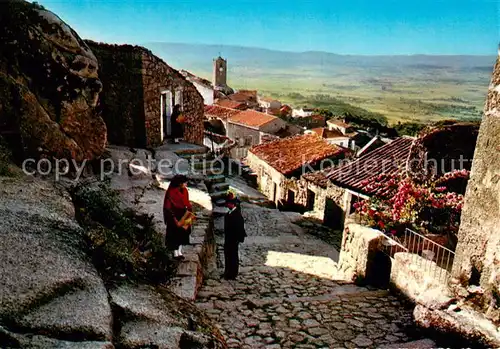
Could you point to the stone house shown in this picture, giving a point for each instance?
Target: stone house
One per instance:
(248, 127)
(286, 110)
(310, 122)
(227, 103)
(218, 116)
(279, 163)
(333, 137)
(339, 125)
(331, 193)
(139, 92)
(302, 112)
(248, 97)
(204, 87)
(269, 105)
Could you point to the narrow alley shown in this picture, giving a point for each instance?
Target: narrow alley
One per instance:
(288, 294)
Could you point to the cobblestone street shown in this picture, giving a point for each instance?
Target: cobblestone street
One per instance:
(288, 294)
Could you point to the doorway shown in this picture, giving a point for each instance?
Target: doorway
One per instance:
(334, 215)
(311, 198)
(275, 192)
(291, 197)
(166, 104)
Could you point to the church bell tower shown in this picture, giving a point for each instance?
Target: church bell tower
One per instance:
(220, 72)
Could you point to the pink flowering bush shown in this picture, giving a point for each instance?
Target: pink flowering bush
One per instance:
(400, 202)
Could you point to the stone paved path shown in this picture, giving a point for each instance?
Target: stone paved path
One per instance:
(288, 294)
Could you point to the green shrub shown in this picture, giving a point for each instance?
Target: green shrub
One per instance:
(122, 243)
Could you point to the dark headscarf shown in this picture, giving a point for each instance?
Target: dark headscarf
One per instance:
(177, 181)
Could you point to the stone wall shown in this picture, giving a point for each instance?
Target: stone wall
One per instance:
(477, 260)
(322, 193)
(237, 132)
(158, 76)
(266, 177)
(419, 279)
(133, 79)
(359, 244)
(121, 101)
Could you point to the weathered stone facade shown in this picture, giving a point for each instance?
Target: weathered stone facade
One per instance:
(158, 76)
(270, 181)
(477, 260)
(331, 203)
(133, 79)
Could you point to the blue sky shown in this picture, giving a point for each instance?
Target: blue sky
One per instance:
(339, 26)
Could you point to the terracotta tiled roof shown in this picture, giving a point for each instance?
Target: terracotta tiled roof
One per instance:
(387, 159)
(290, 154)
(189, 75)
(252, 118)
(230, 104)
(318, 177)
(317, 117)
(326, 133)
(244, 96)
(220, 112)
(268, 99)
(274, 111)
(339, 123)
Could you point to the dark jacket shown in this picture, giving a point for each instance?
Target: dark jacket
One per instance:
(177, 128)
(234, 227)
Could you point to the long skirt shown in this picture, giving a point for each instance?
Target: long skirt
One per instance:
(177, 129)
(176, 236)
(231, 260)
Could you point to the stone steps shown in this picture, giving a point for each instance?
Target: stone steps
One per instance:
(194, 156)
(220, 187)
(213, 179)
(217, 195)
(206, 164)
(209, 169)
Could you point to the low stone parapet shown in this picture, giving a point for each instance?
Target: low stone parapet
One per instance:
(198, 257)
(359, 244)
(420, 280)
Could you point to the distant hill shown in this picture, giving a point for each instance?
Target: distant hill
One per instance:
(199, 57)
(402, 88)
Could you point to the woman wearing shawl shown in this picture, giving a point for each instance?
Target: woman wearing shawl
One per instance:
(177, 128)
(175, 206)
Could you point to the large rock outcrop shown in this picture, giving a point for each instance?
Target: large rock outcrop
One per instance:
(48, 286)
(477, 261)
(52, 296)
(49, 86)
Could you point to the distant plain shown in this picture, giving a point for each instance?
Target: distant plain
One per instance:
(414, 88)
